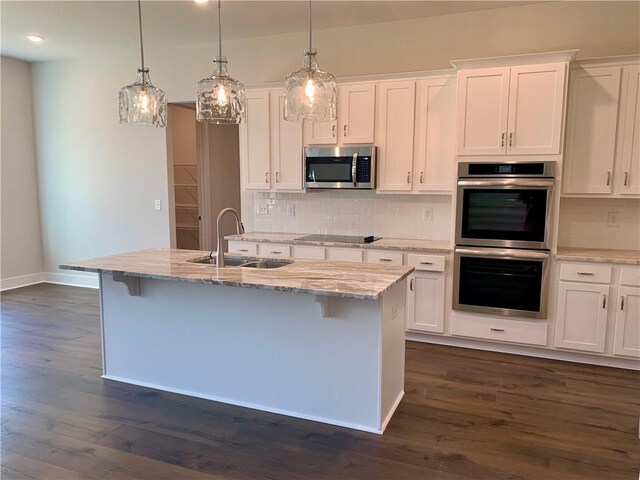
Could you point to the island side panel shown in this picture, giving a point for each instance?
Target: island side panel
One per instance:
(250, 347)
(392, 350)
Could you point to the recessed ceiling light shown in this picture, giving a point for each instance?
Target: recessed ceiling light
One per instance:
(35, 38)
(201, 1)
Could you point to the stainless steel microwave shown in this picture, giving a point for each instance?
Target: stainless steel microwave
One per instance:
(340, 167)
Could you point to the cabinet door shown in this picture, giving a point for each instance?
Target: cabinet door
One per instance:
(627, 333)
(286, 147)
(591, 130)
(321, 133)
(425, 302)
(629, 171)
(483, 96)
(395, 134)
(436, 124)
(536, 100)
(255, 142)
(356, 107)
(581, 316)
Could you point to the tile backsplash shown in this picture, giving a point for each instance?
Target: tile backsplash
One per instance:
(355, 213)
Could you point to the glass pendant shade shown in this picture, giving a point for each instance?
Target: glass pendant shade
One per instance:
(220, 99)
(143, 104)
(310, 93)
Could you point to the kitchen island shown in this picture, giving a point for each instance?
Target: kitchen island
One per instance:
(317, 340)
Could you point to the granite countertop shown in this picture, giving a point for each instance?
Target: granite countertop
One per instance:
(627, 257)
(406, 244)
(337, 279)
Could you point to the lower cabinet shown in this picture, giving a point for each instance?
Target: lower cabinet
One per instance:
(581, 316)
(626, 340)
(425, 302)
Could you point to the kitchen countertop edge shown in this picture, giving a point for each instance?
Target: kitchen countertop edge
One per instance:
(597, 255)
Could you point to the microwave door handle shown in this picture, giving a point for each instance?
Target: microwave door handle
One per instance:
(354, 169)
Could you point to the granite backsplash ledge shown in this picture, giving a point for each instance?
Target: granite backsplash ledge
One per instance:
(359, 213)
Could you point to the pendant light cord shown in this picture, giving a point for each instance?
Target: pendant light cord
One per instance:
(310, 30)
(219, 33)
(141, 42)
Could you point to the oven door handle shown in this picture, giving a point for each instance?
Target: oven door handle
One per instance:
(503, 253)
(507, 182)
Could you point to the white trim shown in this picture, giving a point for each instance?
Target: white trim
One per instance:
(603, 361)
(245, 404)
(513, 60)
(617, 60)
(387, 419)
(73, 279)
(21, 281)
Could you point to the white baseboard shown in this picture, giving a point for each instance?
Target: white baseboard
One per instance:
(21, 281)
(615, 362)
(87, 280)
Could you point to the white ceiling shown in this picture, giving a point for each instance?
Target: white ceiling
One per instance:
(74, 28)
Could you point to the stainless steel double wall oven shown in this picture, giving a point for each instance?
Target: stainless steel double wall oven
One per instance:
(503, 235)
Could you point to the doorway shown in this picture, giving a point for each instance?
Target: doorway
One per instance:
(204, 177)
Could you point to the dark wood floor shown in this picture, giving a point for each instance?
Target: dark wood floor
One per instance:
(466, 415)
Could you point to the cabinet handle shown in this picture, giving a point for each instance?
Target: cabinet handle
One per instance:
(622, 303)
(608, 178)
(333, 130)
(426, 263)
(421, 175)
(386, 260)
(274, 252)
(344, 130)
(604, 301)
(408, 177)
(266, 177)
(497, 329)
(243, 249)
(589, 274)
(626, 178)
(502, 139)
(411, 285)
(277, 177)
(511, 139)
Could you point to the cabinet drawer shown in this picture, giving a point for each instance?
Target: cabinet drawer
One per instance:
(432, 263)
(310, 253)
(585, 272)
(383, 257)
(344, 255)
(274, 250)
(630, 276)
(243, 248)
(499, 329)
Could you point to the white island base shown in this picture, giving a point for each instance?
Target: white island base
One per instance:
(263, 349)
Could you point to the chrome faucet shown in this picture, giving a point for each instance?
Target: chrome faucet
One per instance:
(219, 239)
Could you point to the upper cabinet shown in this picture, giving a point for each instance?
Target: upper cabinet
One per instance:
(513, 110)
(355, 123)
(602, 153)
(270, 147)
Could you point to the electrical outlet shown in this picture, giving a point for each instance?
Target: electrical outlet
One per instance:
(291, 210)
(427, 214)
(157, 204)
(263, 209)
(613, 219)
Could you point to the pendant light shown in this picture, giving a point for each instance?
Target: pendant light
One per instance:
(220, 99)
(310, 93)
(141, 103)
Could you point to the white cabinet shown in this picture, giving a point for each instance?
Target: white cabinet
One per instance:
(591, 130)
(602, 156)
(355, 124)
(270, 147)
(383, 257)
(394, 135)
(243, 248)
(425, 302)
(581, 316)
(435, 159)
(274, 250)
(629, 147)
(511, 110)
(626, 340)
(308, 252)
(344, 255)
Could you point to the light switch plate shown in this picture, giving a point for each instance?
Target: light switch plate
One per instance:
(291, 209)
(427, 214)
(613, 219)
(263, 209)
(157, 204)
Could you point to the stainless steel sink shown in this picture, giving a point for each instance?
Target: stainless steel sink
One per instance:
(229, 261)
(267, 264)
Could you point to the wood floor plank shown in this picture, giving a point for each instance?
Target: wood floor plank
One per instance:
(466, 415)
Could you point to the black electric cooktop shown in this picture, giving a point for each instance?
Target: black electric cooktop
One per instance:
(338, 238)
